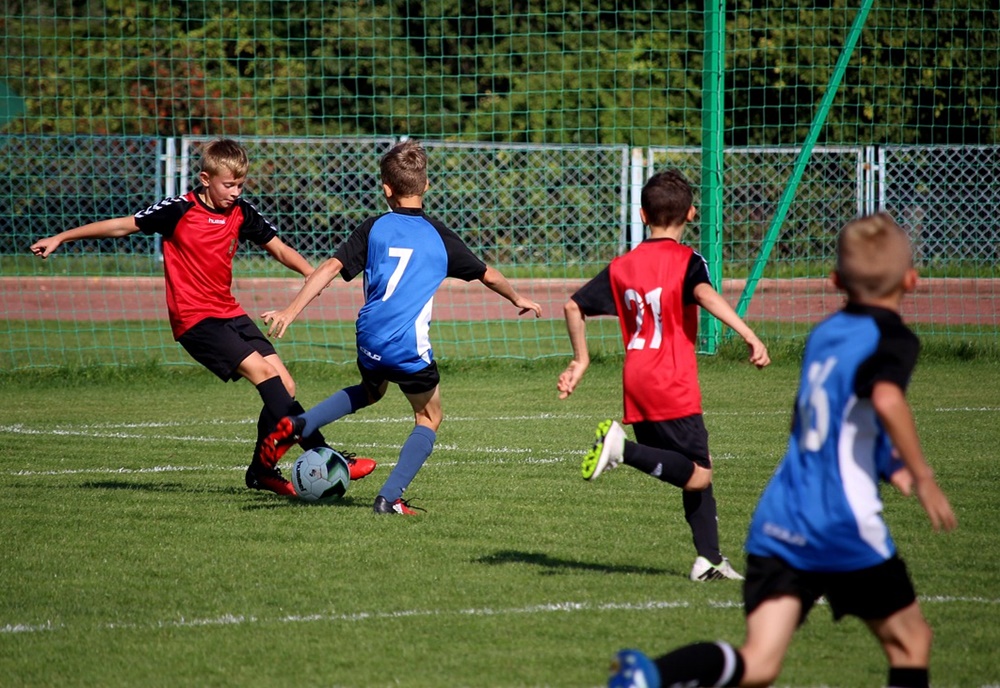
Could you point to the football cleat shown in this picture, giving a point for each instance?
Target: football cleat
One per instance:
(607, 452)
(633, 669)
(704, 570)
(287, 432)
(384, 506)
(359, 467)
(259, 477)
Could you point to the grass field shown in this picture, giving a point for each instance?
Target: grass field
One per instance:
(133, 556)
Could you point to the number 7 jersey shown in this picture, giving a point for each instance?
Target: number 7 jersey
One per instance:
(404, 256)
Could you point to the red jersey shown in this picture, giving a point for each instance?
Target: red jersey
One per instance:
(198, 248)
(651, 291)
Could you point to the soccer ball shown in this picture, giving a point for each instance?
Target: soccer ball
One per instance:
(320, 473)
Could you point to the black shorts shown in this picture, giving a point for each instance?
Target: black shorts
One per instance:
(873, 593)
(221, 345)
(686, 435)
(424, 380)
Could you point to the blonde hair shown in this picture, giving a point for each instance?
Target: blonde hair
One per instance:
(404, 169)
(225, 154)
(873, 256)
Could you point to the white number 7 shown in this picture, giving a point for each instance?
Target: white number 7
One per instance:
(404, 257)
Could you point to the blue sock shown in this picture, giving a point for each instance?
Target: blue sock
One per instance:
(416, 449)
(334, 407)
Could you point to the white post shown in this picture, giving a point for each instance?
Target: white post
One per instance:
(637, 231)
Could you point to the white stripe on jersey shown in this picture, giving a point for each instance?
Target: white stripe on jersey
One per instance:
(856, 455)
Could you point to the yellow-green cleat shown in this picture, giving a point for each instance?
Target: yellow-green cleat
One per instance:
(607, 452)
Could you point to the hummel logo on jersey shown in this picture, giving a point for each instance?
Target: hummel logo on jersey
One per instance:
(213, 221)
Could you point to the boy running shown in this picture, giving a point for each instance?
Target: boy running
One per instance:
(655, 290)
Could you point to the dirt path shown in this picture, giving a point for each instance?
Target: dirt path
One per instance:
(939, 301)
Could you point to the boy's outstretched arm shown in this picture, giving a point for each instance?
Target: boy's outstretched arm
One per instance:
(576, 326)
(496, 282)
(712, 301)
(894, 412)
(114, 227)
(278, 321)
(288, 256)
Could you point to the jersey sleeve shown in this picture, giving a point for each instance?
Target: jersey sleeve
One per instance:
(697, 273)
(163, 217)
(596, 297)
(353, 253)
(255, 227)
(893, 360)
(463, 264)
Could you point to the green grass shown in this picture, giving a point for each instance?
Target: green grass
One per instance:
(133, 556)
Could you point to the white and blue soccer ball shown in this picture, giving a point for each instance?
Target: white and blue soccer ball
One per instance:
(320, 474)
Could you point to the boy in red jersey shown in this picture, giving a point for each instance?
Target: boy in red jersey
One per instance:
(201, 232)
(655, 291)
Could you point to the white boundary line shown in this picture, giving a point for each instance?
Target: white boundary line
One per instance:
(356, 617)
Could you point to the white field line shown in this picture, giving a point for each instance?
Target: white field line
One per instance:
(501, 455)
(356, 617)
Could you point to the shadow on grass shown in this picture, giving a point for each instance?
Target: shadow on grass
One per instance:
(554, 565)
(263, 499)
(151, 487)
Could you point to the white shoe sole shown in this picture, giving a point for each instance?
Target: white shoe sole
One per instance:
(607, 451)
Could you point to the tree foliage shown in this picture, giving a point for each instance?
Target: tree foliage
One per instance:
(531, 71)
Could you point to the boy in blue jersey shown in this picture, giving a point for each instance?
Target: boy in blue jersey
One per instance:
(818, 528)
(404, 257)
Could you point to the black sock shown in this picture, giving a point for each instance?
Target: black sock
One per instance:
(909, 678)
(663, 464)
(703, 518)
(701, 664)
(278, 403)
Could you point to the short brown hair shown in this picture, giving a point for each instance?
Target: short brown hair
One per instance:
(873, 255)
(666, 199)
(404, 169)
(225, 154)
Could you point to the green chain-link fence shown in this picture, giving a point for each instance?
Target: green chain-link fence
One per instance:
(541, 119)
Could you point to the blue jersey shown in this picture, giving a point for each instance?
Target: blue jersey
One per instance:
(821, 510)
(405, 256)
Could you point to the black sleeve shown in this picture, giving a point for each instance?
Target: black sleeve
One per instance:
(697, 273)
(255, 228)
(463, 264)
(596, 297)
(163, 217)
(893, 361)
(353, 252)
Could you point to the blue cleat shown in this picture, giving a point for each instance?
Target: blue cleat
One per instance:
(633, 669)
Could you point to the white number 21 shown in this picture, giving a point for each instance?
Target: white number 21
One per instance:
(637, 303)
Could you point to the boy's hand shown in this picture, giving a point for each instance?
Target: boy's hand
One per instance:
(902, 480)
(570, 378)
(758, 352)
(935, 504)
(43, 248)
(528, 305)
(278, 322)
